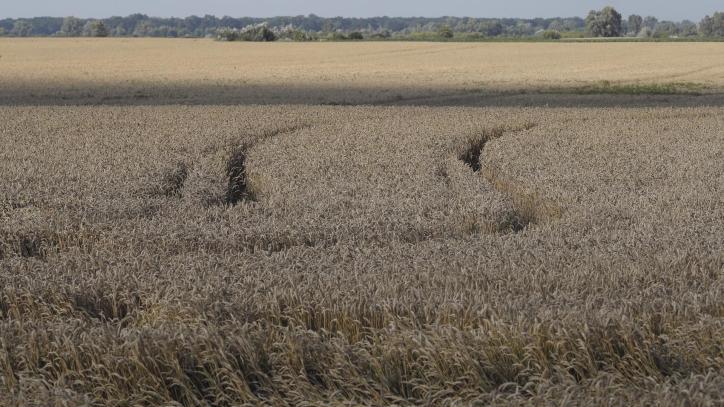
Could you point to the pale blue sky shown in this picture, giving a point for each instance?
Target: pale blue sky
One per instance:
(663, 9)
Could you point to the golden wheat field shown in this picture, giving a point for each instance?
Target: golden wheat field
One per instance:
(495, 227)
(138, 71)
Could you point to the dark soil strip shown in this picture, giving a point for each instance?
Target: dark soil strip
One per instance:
(236, 171)
(475, 145)
(238, 189)
(518, 219)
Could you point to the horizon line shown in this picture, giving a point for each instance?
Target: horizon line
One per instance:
(320, 16)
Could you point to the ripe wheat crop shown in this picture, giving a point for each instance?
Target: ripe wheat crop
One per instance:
(358, 255)
(141, 71)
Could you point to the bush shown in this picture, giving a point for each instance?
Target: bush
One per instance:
(445, 32)
(335, 36)
(299, 36)
(290, 33)
(227, 34)
(381, 35)
(552, 34)
(259, 33)
(356, 36)
(645, 32)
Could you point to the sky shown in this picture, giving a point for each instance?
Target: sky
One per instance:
(663, 9)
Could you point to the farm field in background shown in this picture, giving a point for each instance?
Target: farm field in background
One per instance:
(491, 245)
(144, 71)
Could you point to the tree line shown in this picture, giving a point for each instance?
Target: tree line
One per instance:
(599, 23)
(608, 22)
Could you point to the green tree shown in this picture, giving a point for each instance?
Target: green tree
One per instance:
(328, 26)
(712, 26)
(356, 36)
(445, 31)
(299, 36)
(522, 28)
(143, 29)
(95, 29)
(688, 29)
(650, 22)
(635, 23)
(119, 31)
(604, 23)
(556, 24)
(491, 28)
(22, 28)
(72, 27)
(666, 29)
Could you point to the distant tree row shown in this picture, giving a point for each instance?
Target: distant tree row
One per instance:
(608, 22)
(139, 25)
(602, 23)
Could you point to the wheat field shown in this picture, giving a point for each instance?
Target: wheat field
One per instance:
(230, 253)
(138, 71)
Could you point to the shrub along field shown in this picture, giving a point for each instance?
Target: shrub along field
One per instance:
(375, 255)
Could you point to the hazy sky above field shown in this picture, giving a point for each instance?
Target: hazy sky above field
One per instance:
(663, 9)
